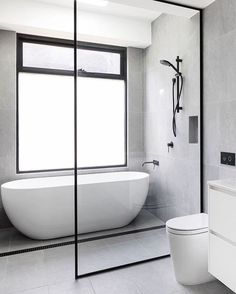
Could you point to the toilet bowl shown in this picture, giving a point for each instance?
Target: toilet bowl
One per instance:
(188, 239)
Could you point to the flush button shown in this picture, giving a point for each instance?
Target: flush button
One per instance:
(228, 158)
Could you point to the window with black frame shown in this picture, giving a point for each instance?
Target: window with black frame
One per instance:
(45, 105)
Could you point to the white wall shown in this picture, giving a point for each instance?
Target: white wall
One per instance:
(24, 16)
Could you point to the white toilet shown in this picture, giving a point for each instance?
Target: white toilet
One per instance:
(188, 238)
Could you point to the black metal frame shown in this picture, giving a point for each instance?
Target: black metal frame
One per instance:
(75, 169)
(200, 10)
(122, 51)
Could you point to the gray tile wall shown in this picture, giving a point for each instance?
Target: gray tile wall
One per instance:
(174, 187)
(8, 113)
(135, 107)
(220, 89)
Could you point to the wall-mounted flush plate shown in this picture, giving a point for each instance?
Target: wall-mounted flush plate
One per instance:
(228, 158)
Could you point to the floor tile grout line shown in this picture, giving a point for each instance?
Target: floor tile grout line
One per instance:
(30, 289)
(20, 251)
(91, 283)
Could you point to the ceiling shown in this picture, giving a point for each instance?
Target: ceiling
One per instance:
(139, 9)
(121, 22)
(194, 3)
(124, 10)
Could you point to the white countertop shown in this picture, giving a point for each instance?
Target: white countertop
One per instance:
(226, 184)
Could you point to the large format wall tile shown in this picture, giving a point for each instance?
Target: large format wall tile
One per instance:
(219, 89)
(175, 184)
(7, 111)
(219, 19)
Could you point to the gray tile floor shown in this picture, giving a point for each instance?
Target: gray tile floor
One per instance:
(122, 250)
(51, 272)
(11, 239)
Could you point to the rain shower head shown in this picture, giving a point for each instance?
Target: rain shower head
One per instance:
(167, 63)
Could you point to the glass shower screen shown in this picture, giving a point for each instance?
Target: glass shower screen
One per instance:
(122, 120)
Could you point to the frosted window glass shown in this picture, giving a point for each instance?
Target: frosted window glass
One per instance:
(49, 57)
(46, 124)
(99, 62)
(62, 58)
(101, 122)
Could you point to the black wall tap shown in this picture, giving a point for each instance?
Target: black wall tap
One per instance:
(170, 145)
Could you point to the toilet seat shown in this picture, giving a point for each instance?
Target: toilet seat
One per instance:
(188, 225)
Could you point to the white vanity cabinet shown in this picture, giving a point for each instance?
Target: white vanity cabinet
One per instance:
(222, 231)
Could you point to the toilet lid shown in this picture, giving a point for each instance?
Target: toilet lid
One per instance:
(191, 223)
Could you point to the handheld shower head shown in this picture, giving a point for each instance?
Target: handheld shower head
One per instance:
(167, 63)
(178, 79)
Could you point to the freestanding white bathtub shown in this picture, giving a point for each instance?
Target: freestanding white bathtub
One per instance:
(43, 208)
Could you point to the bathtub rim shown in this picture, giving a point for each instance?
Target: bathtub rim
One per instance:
(21, 184)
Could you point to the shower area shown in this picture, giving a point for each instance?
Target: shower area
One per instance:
(101, 129)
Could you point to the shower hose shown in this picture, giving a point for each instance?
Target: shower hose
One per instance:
(176, 106)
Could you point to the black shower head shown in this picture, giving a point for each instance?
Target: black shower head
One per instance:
(167, 63)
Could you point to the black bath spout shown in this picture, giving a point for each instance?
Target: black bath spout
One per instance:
(154, 162)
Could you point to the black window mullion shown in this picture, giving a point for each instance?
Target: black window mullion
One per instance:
(19, 54)
(101, 76)
(67, 43)
(38, 70)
